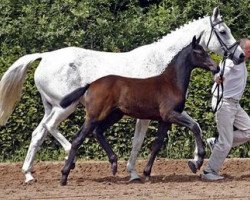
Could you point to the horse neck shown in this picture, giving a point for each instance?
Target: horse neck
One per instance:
(171, 44)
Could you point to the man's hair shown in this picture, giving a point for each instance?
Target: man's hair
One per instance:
(243, 42)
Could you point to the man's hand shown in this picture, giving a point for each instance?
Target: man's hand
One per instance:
(219, 79)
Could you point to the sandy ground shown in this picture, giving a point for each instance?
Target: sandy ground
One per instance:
(171, 179)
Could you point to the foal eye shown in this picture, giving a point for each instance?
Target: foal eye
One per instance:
(197, 51)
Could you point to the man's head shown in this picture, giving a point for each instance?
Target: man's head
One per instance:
(245, 45)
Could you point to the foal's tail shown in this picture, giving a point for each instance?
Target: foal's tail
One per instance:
(11, 85)
(73, 96)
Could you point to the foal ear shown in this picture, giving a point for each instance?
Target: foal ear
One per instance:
(194, 42)
(216, 13)
(199, 38)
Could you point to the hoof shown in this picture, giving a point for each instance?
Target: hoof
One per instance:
(192, 166)
(135, 180)
(147, 178)
(134, 177)
(29, 178)
(63, 181)
(30, 182)
(73, 166)
(114, 168)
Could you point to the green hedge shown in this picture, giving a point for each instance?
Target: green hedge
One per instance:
(31, 26)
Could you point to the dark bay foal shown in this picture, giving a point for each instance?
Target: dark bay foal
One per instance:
(160, 98)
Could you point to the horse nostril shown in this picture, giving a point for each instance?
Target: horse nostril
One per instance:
(242, 56)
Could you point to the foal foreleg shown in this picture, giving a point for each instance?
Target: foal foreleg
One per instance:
(188, 122)
(139, 135)
(196, 148)
(158, 143)
(81, 135)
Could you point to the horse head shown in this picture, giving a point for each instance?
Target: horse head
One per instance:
(218, 38)
(201, 58)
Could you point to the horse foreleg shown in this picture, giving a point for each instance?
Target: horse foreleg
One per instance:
(158, 143)
(139, 135)
(183, 120)
(80, 136)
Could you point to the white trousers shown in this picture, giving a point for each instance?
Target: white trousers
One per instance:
(230, 114)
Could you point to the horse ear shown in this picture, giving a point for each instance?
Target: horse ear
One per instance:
(194, 42)
(216, 13)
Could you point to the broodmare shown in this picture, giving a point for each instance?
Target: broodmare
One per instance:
(160, 98)
(62, 71)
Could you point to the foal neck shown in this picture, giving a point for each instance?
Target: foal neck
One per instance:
(179, 70)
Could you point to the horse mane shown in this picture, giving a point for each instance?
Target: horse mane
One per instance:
(180, 38)
(175, 58)
(183, 29)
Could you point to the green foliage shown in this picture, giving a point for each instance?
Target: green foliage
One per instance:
(31, 26)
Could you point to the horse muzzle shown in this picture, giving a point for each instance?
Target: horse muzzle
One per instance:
(239, 60)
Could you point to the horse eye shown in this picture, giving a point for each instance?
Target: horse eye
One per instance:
(223, 32)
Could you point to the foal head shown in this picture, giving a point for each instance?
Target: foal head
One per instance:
(200, 58)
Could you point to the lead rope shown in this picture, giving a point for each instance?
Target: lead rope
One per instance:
(220, 96)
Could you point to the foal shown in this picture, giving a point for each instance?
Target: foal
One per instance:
(160, 98)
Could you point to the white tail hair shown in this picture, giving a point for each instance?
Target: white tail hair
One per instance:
(11, 85)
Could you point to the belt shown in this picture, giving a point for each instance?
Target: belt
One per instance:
(232, 100)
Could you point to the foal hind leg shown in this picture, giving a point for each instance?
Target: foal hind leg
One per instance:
(112, 118)
(78, 140)
(139, 135)
(158, 143)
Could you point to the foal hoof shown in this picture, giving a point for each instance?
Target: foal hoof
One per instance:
(147, 178)
(73, 166)
(63, 180)
(192, 166)
(114, 168)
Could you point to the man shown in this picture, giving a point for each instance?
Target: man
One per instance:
(229, 115)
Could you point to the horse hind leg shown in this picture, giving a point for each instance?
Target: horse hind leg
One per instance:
(51, 124)
(158, 143)
(37, 139)
(139, 135)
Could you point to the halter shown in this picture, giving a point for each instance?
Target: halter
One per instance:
(224, 47)
(227, 54)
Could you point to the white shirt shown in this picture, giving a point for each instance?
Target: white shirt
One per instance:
(235, 78)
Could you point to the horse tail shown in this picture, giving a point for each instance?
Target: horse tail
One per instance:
(11, 85)
(73, 96)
